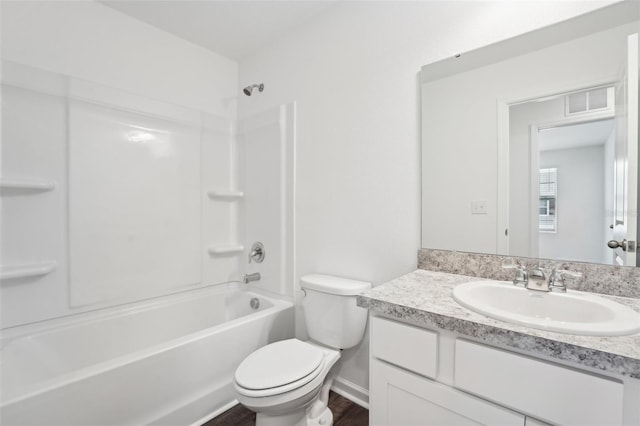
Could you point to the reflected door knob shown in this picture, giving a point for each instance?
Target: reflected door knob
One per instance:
(615, 244)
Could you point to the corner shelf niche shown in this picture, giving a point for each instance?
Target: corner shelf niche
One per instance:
(26, 270)
(27, 184)
(225, 195)
(225, 250)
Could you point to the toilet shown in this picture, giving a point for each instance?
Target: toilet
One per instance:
(287, 382)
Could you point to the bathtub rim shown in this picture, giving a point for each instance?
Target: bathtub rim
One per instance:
(79, 318)
(70, 377)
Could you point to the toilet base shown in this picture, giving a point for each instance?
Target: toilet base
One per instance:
(300, 418)
(324, 419)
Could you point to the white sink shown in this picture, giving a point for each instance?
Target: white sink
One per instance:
(571, 312)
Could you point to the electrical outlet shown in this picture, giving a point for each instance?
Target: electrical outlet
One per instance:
(478, 207)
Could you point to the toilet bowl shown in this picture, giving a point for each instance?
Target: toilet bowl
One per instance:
(287, 383)
(282, 380)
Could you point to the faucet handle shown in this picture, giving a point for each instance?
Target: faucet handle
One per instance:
(521, 276)
(556, 280)
(257, 252)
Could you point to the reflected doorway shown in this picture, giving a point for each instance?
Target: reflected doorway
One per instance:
(562, 176)
(575, 195)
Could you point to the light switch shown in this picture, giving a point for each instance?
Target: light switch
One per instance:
(478, 207)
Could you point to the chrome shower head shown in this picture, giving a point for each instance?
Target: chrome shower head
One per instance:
(247, 90)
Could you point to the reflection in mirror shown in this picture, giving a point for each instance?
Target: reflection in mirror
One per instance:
(561, 204)
(529, 146)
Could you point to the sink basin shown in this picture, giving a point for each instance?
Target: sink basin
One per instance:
(571, 312)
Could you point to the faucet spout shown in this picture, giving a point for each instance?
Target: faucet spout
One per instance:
(251, 277)
(537, 280)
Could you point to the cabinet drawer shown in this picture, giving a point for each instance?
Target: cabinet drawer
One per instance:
(402, 398)
(547, 391)
(406, 346)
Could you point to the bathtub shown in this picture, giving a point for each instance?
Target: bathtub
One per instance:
(168, 361)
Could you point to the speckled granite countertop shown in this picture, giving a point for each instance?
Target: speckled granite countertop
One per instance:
(424, 297)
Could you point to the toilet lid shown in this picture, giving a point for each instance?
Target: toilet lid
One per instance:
(279, 364)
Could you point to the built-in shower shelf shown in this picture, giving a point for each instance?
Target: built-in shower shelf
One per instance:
(225, 250)
(225, 195)
(8, 272)
(28, 184)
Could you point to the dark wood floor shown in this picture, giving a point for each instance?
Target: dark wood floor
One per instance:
(345, 413)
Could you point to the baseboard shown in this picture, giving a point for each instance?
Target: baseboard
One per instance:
(351, 391)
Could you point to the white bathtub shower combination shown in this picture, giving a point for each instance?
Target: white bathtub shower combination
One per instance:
(164, 362)
(125, 228)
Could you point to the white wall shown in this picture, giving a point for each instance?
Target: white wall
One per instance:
(80, 42)
(580, 205)
(353, 73)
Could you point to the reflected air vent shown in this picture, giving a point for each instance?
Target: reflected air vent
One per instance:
(600, 99)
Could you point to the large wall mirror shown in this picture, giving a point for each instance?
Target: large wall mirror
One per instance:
(530, 146)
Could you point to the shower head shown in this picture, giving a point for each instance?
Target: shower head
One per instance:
(247, 90)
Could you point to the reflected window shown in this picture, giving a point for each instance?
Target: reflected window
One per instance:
(548, 198)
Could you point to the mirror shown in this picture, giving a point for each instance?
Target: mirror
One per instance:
(529, 146)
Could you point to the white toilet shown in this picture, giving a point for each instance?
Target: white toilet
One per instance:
(287, 383)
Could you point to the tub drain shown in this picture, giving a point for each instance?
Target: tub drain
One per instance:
(254, 303)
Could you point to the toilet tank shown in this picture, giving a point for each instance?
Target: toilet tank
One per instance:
(330, 310)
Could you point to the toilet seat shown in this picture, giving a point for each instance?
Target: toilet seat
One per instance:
(278, 368)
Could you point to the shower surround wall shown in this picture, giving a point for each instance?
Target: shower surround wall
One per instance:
(266, 154)
(128, 216)
(55, 122)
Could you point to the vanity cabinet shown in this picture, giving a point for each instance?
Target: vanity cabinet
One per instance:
(399, 397)
(436, 377)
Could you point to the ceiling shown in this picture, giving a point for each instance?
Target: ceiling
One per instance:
(232, 28)
(576, 135)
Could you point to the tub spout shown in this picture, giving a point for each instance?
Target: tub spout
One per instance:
(251, 277)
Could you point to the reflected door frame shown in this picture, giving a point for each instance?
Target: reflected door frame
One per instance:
(502, 107)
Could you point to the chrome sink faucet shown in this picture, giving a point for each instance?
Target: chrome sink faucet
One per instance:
(536, 278)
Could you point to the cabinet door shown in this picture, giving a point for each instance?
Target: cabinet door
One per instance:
(552, 392)
(401, 398)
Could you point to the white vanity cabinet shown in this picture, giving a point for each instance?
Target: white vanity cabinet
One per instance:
(435, 377)
(401, 398)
